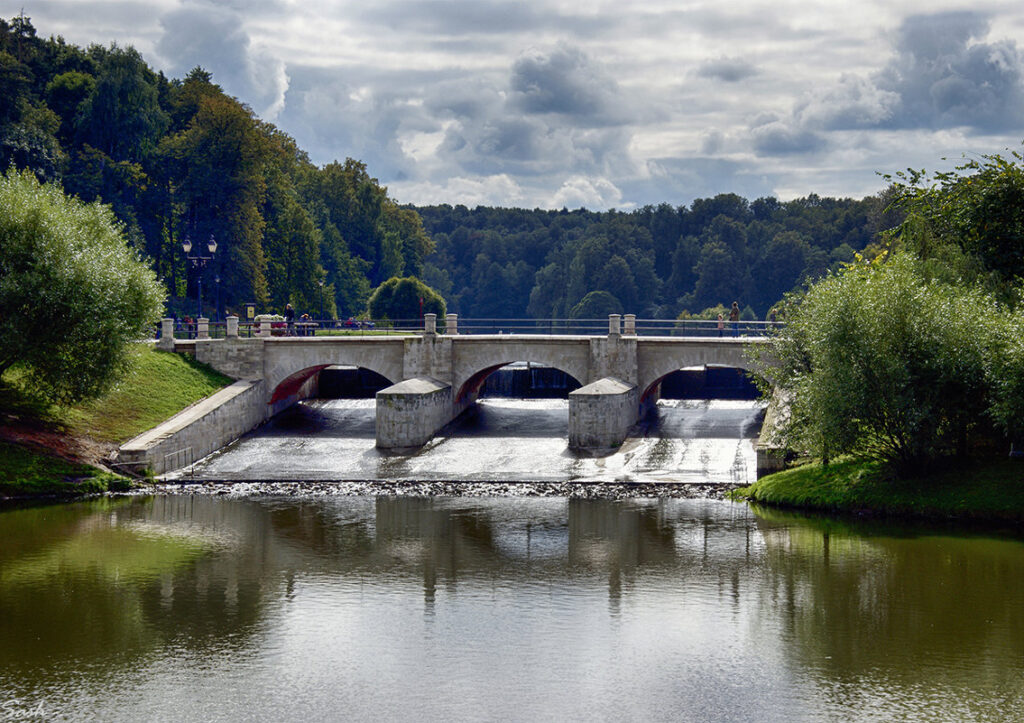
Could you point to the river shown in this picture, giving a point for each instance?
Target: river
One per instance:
(271, 607)
(433, 609)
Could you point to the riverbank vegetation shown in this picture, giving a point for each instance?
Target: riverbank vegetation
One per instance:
(74, 295)
(989, 489)
(54, 449)
(910, 362)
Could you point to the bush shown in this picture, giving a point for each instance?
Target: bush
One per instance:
(73, 295)
(406, 298)
(880, 362)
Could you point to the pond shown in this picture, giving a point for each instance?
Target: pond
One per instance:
(453, 608)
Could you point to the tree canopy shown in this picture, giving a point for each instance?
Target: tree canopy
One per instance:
(404, 299)
(916, 355)
(73, 295)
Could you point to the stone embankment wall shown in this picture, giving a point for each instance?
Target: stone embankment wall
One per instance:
(198, 430)
(771, 455)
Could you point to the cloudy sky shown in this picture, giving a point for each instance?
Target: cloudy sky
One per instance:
(594, 103)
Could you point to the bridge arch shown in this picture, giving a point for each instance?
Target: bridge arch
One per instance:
(470, 388)
(476, 361)
(655, 361)
(289, 366)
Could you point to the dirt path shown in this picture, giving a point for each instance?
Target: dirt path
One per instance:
(48, 440)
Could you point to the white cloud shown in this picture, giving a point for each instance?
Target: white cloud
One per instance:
(551, 103)
(593, 193)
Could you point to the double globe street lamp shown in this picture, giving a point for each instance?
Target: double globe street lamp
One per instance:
(198, 262)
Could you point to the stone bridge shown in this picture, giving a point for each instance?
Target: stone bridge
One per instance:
(435, 377)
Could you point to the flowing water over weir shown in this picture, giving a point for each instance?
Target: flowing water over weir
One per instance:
(503, 440)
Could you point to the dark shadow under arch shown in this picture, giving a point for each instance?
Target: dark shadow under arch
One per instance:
(717, 383)
(293, 383)
(471, 387)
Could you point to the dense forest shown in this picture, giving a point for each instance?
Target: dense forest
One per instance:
(657, 262)
(179, 159)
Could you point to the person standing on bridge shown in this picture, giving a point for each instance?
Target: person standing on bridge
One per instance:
(289, 317)
(721, 325)
(734, 318)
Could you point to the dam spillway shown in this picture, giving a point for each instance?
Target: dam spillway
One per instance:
(501, 440)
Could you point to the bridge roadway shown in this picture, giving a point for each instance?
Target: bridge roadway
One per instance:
(434, 378)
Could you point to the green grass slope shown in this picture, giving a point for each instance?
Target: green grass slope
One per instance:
(991, 489)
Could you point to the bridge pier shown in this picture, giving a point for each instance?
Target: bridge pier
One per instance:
(601, 414)
(411, 412)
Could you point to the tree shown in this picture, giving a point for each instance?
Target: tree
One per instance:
(881, 362)
(121, 116)
(596, 305)
(971, 219)
(404, 299)
(73, 295)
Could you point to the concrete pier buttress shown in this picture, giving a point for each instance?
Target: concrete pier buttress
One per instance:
(411, 412)
(771, 452)
(601, 414)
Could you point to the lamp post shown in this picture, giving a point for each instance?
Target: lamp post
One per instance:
(198, 262)
(321, 282)
(216, 306)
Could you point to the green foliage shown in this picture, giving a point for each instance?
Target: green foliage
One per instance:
(596, 305)
(405, 299)
(881, 362)
(25, 472)
(72, 295)
(988, 489)
(971, 219)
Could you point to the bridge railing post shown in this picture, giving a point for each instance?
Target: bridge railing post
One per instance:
(430, 323)
(232, 328)
(203, 328)
(166, 334)
(451, 324)
(614, 324)
(630, 329)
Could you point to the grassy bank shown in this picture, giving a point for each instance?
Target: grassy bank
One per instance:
(28, 473)
(991, 489)
(47, 449)
(159, 386)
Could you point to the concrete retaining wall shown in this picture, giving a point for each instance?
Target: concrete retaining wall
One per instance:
(771, 455)
(601, 414)
(202, 428)
(410, 412)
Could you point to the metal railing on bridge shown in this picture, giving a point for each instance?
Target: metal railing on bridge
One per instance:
(382, 327)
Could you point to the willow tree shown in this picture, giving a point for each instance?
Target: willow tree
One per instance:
(73, 295)
(883, 362)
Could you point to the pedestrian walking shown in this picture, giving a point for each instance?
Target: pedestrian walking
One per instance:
(734, 318)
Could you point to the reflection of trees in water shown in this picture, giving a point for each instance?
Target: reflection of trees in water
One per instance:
(120, 579)
(866, 601)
